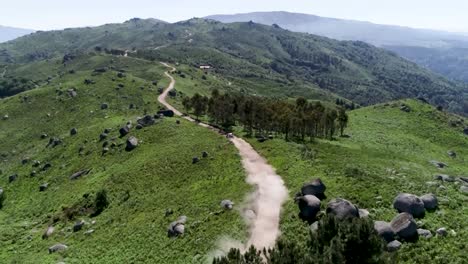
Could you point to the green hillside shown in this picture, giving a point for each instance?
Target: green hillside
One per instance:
(261, 59)
(388, 152)
(147, 188)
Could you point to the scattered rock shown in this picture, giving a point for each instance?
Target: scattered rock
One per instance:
(78, 174)
(49, 231)
(89, 82)
(464, 189)
(309, 206)
(72, 93)
(168, 212)
(195, 160)
(104, 106)
(404, 226)
(424, 233)
(138, 127)
(342, 209)
(177, 122)
(43, 187)
(363, 213)
(57, 247)
(89, 232)
(2, 197)
(46, 166)
(73, 131)
(25, 161)
(409, 203)
(465, 131)
(124, 131)
(12, 178)
(146, 121)
(177, 227)
(36, 163)
(44, 136)
(452, 153)
(444, 177)
(393, 246)
(78, 225)
(315, 187)
(205, 154)
(5, 117)
(314, 227)
(227, 204)
(167, 113)
(442, 231)
(132, 143)
(102, 136)
(438, 164)
(384, 230)
(121, 75)
(430, 201)
(405, 108)
(53, 142)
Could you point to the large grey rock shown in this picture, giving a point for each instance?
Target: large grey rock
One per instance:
(393, 246)
(404, 226)
(167, 113)
(424, 233)
(57, 247)
(132, 143)
(309, 206)
(342, 209)
(384, 230)
(430, 201)
(409, 203)
(315, 187)
(227, 204)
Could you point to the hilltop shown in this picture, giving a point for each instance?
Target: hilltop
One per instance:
(266, 60)
(442, 52)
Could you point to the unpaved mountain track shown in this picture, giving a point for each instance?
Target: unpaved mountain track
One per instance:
(270, 191)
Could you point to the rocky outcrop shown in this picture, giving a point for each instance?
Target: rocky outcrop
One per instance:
(404, 226)
(384, 230)
(309, 206)
(430, 201)
(315, 187)
(409, 203)
(342, 209)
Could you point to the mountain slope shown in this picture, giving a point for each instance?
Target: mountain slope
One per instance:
(263, 59)
(388, 152)
(147, 188)
(442, 52)
(9, 33)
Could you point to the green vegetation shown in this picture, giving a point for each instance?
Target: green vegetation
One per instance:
(387, 152)
(132, 196)
(349, 241)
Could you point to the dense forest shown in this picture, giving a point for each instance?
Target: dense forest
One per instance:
(263, 116)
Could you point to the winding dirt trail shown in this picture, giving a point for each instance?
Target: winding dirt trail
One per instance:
(270, 192)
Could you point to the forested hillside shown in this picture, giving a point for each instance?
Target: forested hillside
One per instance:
(261, 59)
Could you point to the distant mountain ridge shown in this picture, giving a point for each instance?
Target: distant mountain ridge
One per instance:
(442, 52)
(10, 33)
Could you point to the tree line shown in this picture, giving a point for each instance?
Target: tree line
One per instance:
(263, 116)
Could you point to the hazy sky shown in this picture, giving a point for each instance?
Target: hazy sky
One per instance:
(55, 14)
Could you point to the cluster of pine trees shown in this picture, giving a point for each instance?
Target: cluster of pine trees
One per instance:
(263, 116)
(334, 241)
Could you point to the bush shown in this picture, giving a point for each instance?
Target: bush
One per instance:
(100, 202)
(347, 241)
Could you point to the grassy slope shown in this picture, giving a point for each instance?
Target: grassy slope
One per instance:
(156, 176)
(391, 149)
